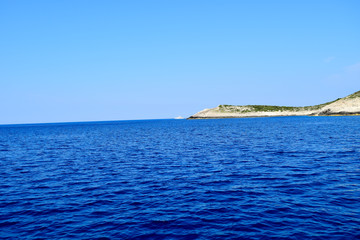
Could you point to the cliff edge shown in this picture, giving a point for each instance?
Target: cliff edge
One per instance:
(349, 105)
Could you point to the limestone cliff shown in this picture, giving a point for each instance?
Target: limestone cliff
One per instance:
(349, 105)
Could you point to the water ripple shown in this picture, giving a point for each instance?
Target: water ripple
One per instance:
(278, 178)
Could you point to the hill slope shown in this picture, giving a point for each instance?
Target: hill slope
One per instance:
(349, 105)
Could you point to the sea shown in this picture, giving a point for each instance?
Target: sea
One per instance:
(249, 178)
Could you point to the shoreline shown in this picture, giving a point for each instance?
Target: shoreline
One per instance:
(269, 116)
(347, 106)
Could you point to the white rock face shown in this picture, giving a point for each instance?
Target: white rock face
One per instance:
(216, 113)
(343, 106)
(349, 105)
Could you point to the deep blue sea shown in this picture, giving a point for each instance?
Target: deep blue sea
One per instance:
(251, 178)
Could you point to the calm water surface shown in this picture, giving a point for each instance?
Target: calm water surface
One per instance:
(259, 178)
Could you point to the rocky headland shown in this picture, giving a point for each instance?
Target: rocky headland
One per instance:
(349, 105)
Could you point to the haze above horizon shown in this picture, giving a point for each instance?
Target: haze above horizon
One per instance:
(69, 61)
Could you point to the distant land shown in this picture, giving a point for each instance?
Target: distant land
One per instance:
(349, 105)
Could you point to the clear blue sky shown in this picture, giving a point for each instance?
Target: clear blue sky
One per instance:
(131, 59)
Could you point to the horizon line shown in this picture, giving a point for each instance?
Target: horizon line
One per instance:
(89, 121)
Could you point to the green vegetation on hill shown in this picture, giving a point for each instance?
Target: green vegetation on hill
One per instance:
(354, 95)
(269, 108)
(326, 109)
(256, 108)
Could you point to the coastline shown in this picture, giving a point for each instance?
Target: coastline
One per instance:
(347, 106)
(269, 116)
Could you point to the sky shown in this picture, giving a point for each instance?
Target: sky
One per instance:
(86, 60)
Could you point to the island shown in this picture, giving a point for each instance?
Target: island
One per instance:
(349, 105)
